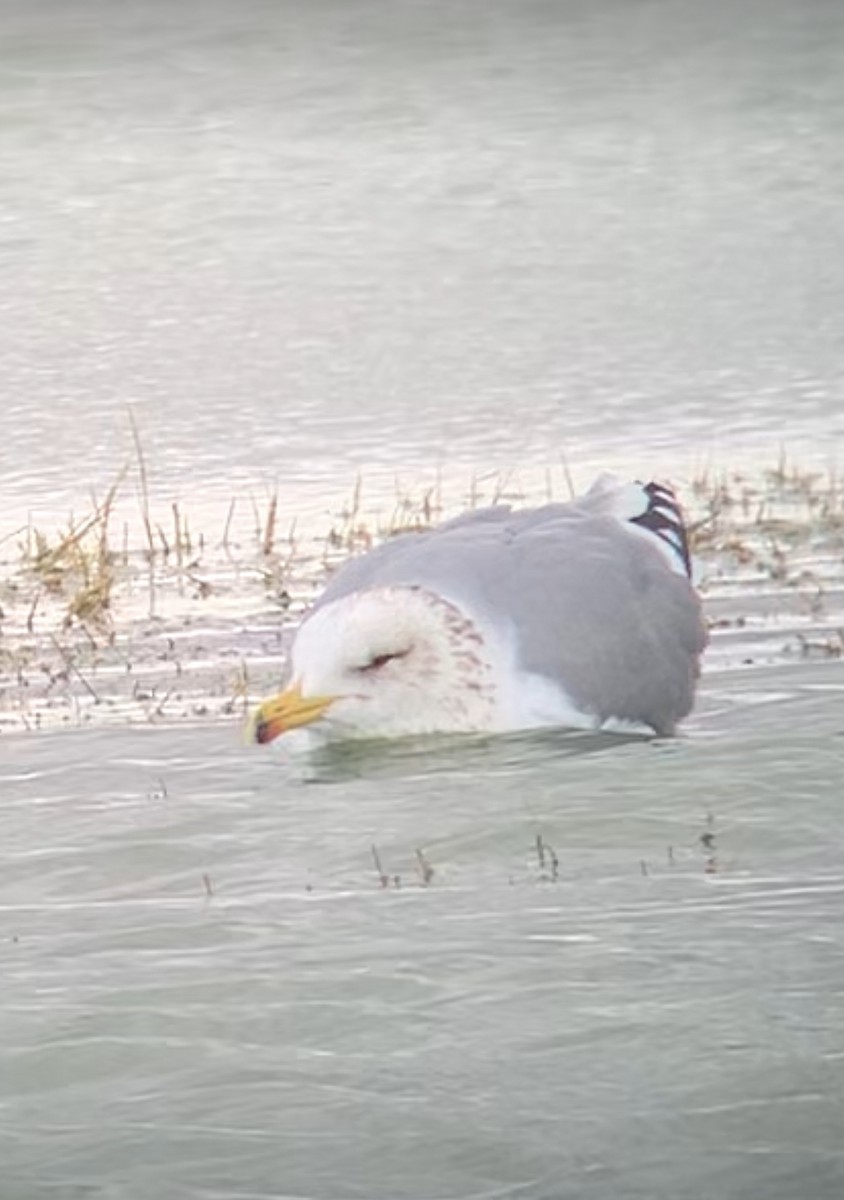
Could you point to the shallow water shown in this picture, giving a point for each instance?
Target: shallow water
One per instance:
(389, 237)
(303, 241)
(208, 993)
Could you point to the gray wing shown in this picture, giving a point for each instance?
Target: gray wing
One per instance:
(402, 557)
(592, 602)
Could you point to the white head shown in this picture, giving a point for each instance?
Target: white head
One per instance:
(383, 663)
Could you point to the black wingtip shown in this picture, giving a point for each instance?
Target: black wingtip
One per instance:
(664, 517)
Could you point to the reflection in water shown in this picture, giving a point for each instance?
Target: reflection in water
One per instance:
(441, 754)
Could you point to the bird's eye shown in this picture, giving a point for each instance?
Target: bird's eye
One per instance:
(381, 660)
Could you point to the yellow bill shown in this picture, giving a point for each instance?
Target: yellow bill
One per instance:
(289, 710)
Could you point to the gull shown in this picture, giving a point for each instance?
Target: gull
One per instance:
(577, 615)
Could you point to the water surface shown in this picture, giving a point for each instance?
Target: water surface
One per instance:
(207, 991)
(389, 236)
(303, 241)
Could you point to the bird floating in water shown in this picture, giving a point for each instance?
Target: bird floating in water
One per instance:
(579, 615)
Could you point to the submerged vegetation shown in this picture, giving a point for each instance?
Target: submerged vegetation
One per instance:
(136, 611)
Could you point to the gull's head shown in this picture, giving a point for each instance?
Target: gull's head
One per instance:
(387, 662)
